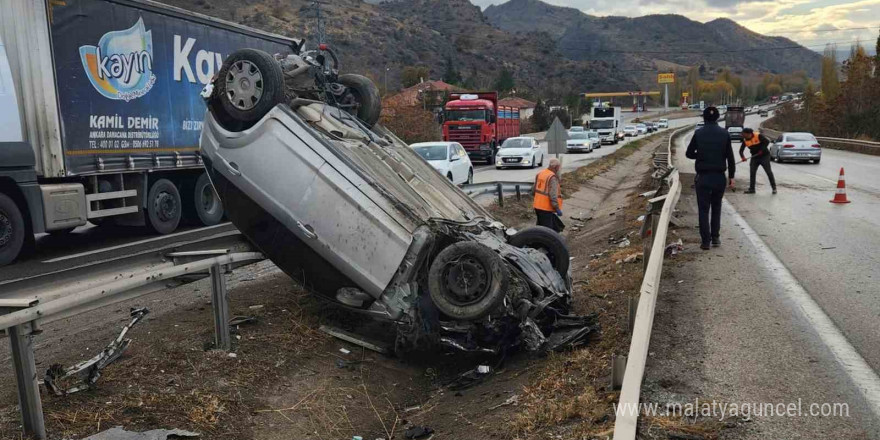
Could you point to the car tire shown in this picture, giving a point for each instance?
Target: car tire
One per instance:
(12, 230)
(816, 161)
(542, 161)
(547, 241)
(164, 207)
(365, 92)
(499, 168)
(470, 179)
(451, 273)
(206, 203)
(449, 176)
(250, 84)
(533, 165)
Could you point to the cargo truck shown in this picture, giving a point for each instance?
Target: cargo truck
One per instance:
(478, 123)
(607, 122)
(101, 114)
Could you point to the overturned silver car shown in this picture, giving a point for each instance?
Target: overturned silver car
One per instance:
(357, 217)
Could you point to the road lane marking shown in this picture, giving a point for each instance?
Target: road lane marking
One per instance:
(135, 243)
(859, 372)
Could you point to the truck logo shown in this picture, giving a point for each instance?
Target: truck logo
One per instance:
(121, 65)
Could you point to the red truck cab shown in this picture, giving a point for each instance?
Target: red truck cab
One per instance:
(478, 123)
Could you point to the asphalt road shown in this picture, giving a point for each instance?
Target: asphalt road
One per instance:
(488, 173)
(828, 249)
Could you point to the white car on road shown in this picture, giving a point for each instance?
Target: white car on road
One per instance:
(519, 152)
(663, 123)
(630, 130)
(799, 147)
(642, 128)
(449, 159)
(584, 141)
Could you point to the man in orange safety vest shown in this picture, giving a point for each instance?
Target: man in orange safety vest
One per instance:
(548, 197)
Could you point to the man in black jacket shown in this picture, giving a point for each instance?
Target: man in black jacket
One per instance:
(710, 147)
(757, 144)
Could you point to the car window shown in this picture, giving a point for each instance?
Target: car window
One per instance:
(779, 139)
(432, 152)
(592, 134)
(799, 138)
(517, 143)
(577, 135)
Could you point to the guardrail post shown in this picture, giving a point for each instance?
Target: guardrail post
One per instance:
(22, 346)
(500, 195)
(220, 303)
(518, 194)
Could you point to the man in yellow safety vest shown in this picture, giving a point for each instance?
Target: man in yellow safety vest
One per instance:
(548, 197)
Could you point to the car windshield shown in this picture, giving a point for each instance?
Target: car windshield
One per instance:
(577, 129)
(517, 143)
(592, 134)
(466, 115)
(630, 127)
(602, 123)
(800, 138)
(431, 152)
(577, 135)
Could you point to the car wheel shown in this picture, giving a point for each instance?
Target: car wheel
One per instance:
(816, 161)
(366, 95)
(470, 179)
(548, 242)
(206, 202)
(499, 168)
(533, 165)
(449, 176)
(249, 85)
(12, 230)
(542, 161)
(467, 280)
(163, 207)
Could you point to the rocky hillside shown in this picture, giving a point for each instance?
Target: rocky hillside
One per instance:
(654, 41)
(371, 38)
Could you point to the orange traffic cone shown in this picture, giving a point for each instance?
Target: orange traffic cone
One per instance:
(840, 196)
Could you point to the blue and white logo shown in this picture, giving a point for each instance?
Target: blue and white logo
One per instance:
(121, 65)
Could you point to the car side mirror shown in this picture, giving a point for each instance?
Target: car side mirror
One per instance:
(454, 158)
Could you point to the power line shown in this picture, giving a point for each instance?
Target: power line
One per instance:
(805, 30)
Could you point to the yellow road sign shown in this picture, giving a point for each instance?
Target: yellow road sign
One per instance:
(685, 94)
(666, 78)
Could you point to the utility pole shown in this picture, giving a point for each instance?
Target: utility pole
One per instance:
(316, 13)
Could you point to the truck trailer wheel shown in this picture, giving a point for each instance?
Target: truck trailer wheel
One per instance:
(206, 203)
(366, 95)
(164, 207)
(467, 281)
(250, 84)
(12, 230)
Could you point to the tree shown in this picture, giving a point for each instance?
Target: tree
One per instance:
(541, 116)
(451, 76)
(505, 81)
(413, 75)
(830, 82)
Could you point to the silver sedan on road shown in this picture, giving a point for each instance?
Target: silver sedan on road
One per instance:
(799, 147)
(519, 152)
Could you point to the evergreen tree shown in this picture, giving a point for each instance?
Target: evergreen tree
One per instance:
(451, 76)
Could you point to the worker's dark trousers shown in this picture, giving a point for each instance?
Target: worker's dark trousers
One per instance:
(710, 191)
(762, 160)
(550, 220)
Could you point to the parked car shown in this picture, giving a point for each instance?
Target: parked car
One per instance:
(581, 142)
(519, 152)
(630, 131)
(449, 159)
(642, 128)
(357, 217)
(663, 123)
(796, 147)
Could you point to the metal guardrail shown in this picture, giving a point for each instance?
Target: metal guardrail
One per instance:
(497, 189)
(658, 217)
(28, 303)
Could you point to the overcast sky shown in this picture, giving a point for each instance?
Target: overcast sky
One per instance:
(809, 22)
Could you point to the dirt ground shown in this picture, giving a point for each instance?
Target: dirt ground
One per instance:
(288, 380)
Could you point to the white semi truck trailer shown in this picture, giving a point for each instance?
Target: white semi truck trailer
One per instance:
(100, 114)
